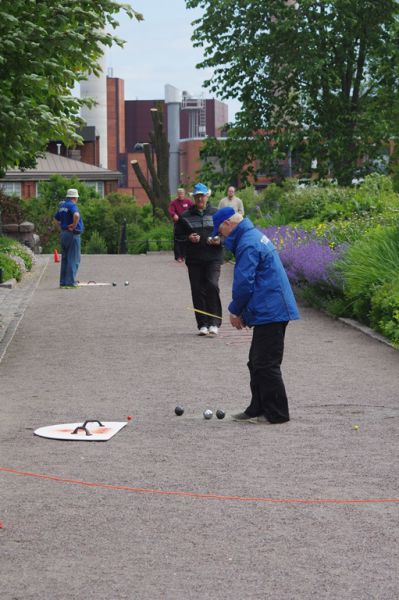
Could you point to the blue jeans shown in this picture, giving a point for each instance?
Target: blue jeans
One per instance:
(70, 249)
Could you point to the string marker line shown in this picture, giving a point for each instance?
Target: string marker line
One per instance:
(200, 495)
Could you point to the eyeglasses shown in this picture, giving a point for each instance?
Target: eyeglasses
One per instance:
(223, 224)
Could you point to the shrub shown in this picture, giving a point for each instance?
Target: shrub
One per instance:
(96, 244)
(349, 230)
(270, 198)
(136, 239)
(11, 270)
(326, 203)
(11, 208)
(158, 237)
(13, 248)
(369, 263)
(162, 235)
(384, 314)
(53, 191)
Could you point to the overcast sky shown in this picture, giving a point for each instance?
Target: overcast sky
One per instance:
(159, 50)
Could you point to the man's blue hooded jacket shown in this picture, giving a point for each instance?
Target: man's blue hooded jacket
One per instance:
(261, 290)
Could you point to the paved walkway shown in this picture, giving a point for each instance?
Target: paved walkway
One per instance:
(181, 508)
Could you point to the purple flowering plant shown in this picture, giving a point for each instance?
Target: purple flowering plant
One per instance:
(307, 258)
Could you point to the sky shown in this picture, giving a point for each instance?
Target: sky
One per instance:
(158, 51)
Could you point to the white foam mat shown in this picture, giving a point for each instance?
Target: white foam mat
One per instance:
(85, 431)
(92, 284)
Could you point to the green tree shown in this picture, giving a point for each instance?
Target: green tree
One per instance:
(238, 157)
(46, 47)
(318, 78)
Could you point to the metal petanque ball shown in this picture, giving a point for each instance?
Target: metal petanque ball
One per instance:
(220, 414)
(114, 283)
(179, 410)
(208, 414)
(126, 283)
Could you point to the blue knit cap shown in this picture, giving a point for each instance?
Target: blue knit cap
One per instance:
(220, 216)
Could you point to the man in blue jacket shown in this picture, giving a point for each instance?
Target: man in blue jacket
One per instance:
(262, 299)
(71, 225)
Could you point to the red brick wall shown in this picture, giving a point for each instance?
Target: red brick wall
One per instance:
(190, 160)
(133, 183)
(115, 120)
(89, 153)
(110, 186)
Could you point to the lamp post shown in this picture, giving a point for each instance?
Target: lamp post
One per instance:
(122, 243)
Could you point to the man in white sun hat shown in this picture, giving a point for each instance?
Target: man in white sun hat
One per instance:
(70, 222)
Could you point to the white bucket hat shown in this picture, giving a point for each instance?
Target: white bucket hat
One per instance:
(72, 193)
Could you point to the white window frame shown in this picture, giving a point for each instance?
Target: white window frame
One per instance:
(11, 188)
(97, 185)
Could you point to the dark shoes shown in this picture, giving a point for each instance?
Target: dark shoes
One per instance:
(244, 418)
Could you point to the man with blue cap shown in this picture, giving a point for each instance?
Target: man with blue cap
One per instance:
(204, 257)
(262, 298)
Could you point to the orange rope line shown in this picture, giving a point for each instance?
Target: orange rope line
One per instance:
(198, 494)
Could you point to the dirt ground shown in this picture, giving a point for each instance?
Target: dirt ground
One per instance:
(180, 508)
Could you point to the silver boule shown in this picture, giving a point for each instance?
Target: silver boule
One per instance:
(208, 414)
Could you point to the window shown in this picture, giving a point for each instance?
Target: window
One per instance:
(97, 185)
(11, 188)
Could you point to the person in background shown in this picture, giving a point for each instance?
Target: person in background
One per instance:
(70, 223)
(262, 298)
(232, 200)
(204, 257)
(176, 208)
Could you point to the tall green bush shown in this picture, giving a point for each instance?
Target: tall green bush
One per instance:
(95, 245)
(369, 263)
(384, 314)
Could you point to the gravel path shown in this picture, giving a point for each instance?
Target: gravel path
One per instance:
(187, 508)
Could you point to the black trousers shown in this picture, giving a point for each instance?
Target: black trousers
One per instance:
(204, 281)
(265, 357)
(179, 248)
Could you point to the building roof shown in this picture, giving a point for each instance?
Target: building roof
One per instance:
(51, 164)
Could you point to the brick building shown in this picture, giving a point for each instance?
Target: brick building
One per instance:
(25, 183)
(129, 125)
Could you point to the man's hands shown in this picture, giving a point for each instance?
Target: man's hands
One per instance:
(237, 322)
(175, 218)
(214, 241)
(194, 238)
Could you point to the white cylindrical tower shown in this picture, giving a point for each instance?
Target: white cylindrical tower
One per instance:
(96, 87)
